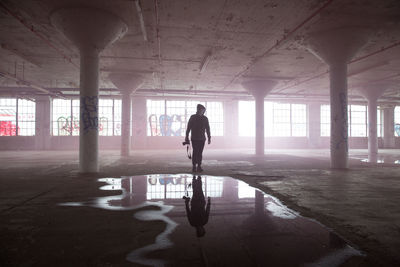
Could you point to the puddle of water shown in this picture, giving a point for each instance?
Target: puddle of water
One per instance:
(219, 221)
(382, 159)
(239, 163)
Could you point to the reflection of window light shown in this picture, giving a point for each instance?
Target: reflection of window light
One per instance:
(214, 186)
(170, 186)
(112, 184)
(279, 210)
(245, 191)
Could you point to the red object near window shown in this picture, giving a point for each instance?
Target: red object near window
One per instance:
(7, 128)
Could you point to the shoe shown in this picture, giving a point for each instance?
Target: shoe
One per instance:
(199, 169)
(194, 169)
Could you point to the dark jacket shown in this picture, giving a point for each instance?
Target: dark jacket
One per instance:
(199, 125)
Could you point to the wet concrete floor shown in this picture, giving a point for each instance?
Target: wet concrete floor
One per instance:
(240, 226)
(359, 204)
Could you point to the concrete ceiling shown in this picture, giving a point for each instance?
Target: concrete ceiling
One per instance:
(241, 39)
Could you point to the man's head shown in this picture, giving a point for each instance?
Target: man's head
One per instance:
(201, 109)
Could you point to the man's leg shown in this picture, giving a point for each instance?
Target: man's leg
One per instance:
(195, 146)
(200, 155)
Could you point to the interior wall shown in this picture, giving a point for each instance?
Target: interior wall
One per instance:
(140, 140)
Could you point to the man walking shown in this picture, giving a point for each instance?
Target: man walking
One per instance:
(198, 125)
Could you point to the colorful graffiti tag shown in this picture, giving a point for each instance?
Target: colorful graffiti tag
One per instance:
(397, 129)
(68, 126)
(166, 125)
(7, 128)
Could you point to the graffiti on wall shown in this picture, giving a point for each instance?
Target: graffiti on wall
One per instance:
(397, 129)
(68, 126)
(166, 125)
(7, 128)
(89, 111)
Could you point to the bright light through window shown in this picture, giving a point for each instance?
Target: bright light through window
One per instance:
(17, 117)
(357, 120)
(325, 120)
(247, 118)
(357, 117)
(65, 117)
(397, 121)
(280, 119)
(109, 117)
(170, 117)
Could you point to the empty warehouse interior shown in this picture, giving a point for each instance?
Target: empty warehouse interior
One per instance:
(302, 142)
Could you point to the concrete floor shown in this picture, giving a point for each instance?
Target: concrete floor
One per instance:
(360, 204)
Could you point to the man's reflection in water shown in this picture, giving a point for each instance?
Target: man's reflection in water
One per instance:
(198, 212)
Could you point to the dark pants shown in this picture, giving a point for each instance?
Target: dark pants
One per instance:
(198, 146)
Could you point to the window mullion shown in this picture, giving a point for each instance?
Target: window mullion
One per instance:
(16, 117)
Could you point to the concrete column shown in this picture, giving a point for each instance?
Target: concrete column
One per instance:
(259, 89)
(126, 126)
(336, 47)
(42, 125)
(91, 30)
(388, 127)
(339, 116)
(314, 124)
(372, 130)
(127, 83)
(372, 92)
(140, 122)
(89, 105)
(259, 204)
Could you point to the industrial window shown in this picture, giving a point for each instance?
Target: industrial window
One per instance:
(357, 120)
(357, 117)
(109, 117)
(299, 119)
(17, 117)
(247, 121)
(170, 117)
(65, 117)
(379, 118)
(397, 121)
(325, 120)
(279, 119)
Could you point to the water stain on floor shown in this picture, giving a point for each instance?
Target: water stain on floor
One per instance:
(219, 221)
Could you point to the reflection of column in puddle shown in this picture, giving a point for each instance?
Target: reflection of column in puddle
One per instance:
(259, 204)
(261, 220)
(230, 191)
(135, 190)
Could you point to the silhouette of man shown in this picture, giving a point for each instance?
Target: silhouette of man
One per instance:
(198, 214)
(198, 125)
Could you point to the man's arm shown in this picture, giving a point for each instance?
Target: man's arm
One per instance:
(208, 131)
(188, 213)
(207, 210)
(188, 128)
